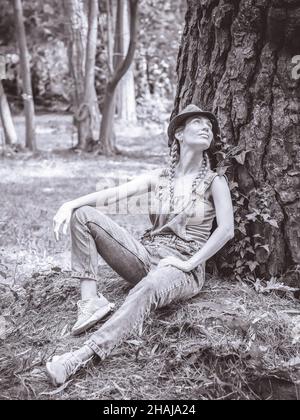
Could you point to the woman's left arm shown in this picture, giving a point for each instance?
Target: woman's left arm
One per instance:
(225, 220)
(222, 234)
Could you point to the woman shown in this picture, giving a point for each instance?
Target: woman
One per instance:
(168, 262)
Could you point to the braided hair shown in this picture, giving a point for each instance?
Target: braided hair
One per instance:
(174, 158)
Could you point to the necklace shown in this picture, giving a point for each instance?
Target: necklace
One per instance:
(198, 178)
(201, 175)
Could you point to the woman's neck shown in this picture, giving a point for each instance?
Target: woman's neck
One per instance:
(189, 163)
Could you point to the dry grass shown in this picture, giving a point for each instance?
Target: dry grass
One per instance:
(227, 343)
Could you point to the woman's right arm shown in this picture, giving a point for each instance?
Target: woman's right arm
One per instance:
(136, 186)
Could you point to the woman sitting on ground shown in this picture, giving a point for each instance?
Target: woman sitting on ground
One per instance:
(167, 263)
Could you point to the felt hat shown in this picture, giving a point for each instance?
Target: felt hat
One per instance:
(188, 112)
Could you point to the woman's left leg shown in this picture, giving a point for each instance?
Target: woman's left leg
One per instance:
(160, 287)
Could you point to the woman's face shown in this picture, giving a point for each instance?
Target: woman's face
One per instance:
(197, 133)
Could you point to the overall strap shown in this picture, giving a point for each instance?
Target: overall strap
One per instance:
(209, 179)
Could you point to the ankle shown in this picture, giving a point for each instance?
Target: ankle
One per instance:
(84, 353)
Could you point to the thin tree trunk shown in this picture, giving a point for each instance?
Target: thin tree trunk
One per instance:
(26, 77)
(110, 32)
(10, 134)
(82, 27)
(89, 128)
(235, 59)
(106, 132)
(126, 103)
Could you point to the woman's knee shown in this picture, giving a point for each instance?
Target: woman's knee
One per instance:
(84, 214)
(147, 286)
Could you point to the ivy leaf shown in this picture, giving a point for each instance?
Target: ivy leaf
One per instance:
(252, 265)
(239, 263)
(273, 222)
(251, 216)
(242, 229)
(250, 249)
(221, 170)
(241, 158)
(266, 247)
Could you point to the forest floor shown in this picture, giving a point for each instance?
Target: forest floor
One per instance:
(230, 342)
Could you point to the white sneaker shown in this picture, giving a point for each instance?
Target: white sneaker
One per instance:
(90, 311)
(62, 367)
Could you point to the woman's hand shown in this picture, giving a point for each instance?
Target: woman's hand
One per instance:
(62, 217)
(175, 262)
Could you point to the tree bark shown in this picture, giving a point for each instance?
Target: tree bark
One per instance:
(236, 59)
(10, 134)
(82, 27)
(106, 134)
(26, 77)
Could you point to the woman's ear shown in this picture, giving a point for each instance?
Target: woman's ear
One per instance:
(179, 134)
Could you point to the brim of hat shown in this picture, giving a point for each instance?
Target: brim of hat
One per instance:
(179, 120)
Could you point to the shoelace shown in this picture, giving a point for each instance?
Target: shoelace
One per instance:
(82, 306)
(72, 364)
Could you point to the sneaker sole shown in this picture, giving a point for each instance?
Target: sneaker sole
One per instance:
(97, 316)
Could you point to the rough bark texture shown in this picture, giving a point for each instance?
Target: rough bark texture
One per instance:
(82, 29)
(26, 76)
(236, 60)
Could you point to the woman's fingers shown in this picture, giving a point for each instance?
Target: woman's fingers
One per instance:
(62, 217)
(65, 227)
(56, 232)
(56, 227)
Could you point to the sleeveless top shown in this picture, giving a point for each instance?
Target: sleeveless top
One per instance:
(190, 227)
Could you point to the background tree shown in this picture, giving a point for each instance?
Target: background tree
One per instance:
(30, 141)
(236, 59)
(10, 135)
(106, 134)
(125, 99)
(82, 26)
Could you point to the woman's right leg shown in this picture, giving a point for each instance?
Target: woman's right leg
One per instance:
(93, 233)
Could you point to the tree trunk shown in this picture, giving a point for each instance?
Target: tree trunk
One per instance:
(82, 27)
(125, 103)
(10, 134)
(26, 77)
(106, 134)
(110, 31)
(236, 59)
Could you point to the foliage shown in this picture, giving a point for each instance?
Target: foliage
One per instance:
(241, 256)
(160, 31)
(160, 25)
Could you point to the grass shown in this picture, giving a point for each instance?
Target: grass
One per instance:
(229, 342)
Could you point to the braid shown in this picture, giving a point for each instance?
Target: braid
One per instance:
(205, 166)
(208, 163)
(174, 157)
(173, 161)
